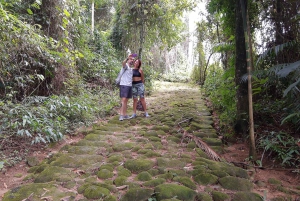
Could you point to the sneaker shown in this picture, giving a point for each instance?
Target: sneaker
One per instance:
(121, 118)
(147, 115)
(133, 116)
(126, 117)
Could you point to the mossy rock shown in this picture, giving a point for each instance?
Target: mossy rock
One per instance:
(174, 139)
(54, 173)
(213, 141)
(95, 192)
(274, 181)
(186, 181)
(32, 161)
(218, 196)
(109, 167)
(123, 172)
(168, 163)
(110, 198)
(138, 165)
(105, 174)
(204, 197)
(137, 194)
(168, 191)
(154, 139)
(199, 170)
(172, 199)
(115, 158)
(120, 180)
(235, 183)
(154, 182)
(219, 173)
(24, 191)
(37, 169)
(76, 161)
(144, 176)
(123, 146)
(206, 179)
(246, 196)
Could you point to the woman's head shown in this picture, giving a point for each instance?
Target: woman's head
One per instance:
(137, 63)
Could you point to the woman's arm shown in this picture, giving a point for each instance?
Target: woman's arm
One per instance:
(124, 62)
(142, 75)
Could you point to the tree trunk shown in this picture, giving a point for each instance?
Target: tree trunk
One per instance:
(241, 124)
(246, 25)
(93, 18)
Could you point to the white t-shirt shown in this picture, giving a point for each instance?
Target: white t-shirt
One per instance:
(126, 79)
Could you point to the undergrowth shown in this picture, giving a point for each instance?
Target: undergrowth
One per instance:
(43, 120)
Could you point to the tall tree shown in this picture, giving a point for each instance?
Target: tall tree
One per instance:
(247, 34)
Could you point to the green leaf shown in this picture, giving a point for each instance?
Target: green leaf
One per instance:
(66, 13)
(29, 11)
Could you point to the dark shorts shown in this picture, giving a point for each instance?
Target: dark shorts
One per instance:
(125, 91)
(138, 90)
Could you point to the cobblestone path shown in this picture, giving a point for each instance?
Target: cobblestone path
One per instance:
(161, 158)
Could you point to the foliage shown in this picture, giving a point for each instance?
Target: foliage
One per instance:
(220, 88)
(283, 146)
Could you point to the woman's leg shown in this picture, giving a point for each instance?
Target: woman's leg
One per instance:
(134, 105)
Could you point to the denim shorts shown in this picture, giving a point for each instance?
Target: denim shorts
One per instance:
(138, 90)
(125, 91)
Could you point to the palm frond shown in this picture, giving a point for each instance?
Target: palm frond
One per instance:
(292, 86)
(288, 68)
(276, 49)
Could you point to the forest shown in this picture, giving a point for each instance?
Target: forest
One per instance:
(59, 60)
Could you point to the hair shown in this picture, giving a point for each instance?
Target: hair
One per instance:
(140, 63)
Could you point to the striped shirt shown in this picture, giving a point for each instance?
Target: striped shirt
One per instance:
(126, 79)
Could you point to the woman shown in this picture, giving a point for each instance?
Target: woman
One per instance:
(138, 87)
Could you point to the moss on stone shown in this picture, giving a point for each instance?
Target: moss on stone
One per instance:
(120, 180)
(174, 139)
(76, 161)
(105, 174)
(218, 196)
(199, 170)
(35, 190)
(204, 197)
(138, 165)
(167, 191)
(54, 173)
(274, 181)
(123, 146)
(144, 176)
(154, 182)
(235, 183)
(154, 139)
(107, 167)
(213, 141)
(153, 172)
(219, 173)
(206, 179)
(115, 158)
(137, 194)
(123, 171)
(95, 192)
(246, 196)
(110, 198)
(186, 181)
(165, 162)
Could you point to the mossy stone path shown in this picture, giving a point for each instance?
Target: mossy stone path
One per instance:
(142, 158)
